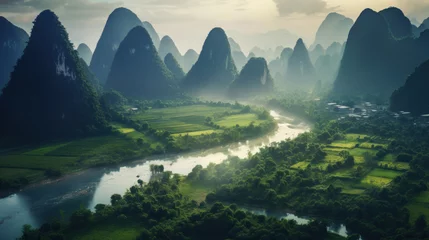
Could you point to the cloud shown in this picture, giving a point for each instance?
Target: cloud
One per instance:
(307, 7)
(68, 6)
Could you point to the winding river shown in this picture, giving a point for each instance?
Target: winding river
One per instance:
(38, 204)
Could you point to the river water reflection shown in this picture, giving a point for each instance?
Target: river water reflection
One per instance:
(41, 203)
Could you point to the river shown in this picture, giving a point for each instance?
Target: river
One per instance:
(40, 203)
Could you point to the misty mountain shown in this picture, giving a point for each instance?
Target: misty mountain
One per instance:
(85, 53)
(368, 66)
(285, 56)
(168, 46)
(239, 58)
(334, 49)
(147, 77)
(399, 25)
(327, 68)
(271, 39)
(174, 67)
(300, 71)
(50, 98)
(254, 79)
(335, 28)
(251, 55)
(153, 34)
(215, 69)
(424, 26)
(12, 43)
(259, 52)
(413, 96)
(234, 45)
(119, 23)
(317, 52)
(278, 67)
(189, 59)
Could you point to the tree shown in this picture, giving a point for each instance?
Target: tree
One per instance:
(140, 182)
(420, 223)
(344, 154)
(113, 99)
(80, 218)
(115, 198)
(350, 161)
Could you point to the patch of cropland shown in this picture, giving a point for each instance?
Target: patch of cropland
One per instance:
(139, 134)
(196, 119)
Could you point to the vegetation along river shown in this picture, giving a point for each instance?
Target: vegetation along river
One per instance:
(40, 203)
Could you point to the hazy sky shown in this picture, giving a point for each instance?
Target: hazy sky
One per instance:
(189, 21)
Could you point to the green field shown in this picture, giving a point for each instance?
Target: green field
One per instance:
(192, 119)
(380, 177)
(32, 162)
(300, 165)
(197, 192)
(241, 120)
(355, 137)
(400, 166)
(183, 119)
(343, 144)
(419, 205)
(108, 232)
(12, 173)
(390, 174)
(197, 133)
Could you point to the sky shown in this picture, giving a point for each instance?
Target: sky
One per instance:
(188, 22)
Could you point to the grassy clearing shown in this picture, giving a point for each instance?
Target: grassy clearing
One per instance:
(343, 173)
(355, 137)
(333, 236)
(335, 150)
(389, 158)
(12, 173)
(197, 192)
(361, 151)
(373, 181)
(400, 166)
(333, 158)
(353, 191)
(108, 232)
(343, 144)
(45, 149)
(31, 165)
(242, 120)
(197, 133)
(37, 162)
(369, 145)
(359, 159)
(416, 209)
(182, 119)
(384, 173)
(94, 145)
(348, 186)
(192, 119)
(300, 165)
(419, 205)
(321, 166)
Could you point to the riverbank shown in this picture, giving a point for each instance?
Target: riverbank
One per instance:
(50, 162)
(40, 203)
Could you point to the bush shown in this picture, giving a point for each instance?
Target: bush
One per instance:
(404, 158)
